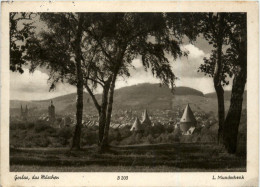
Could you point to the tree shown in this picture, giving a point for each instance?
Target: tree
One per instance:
(237, 53)
(59, 49)
(214, 30)
(78, 56)
(119, 38)
(70, 56)
(233, 61)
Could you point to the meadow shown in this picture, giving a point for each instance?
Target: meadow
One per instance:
(176, 157)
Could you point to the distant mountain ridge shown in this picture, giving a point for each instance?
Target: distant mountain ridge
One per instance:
(141, 96)
(144, 88)
(227, 95)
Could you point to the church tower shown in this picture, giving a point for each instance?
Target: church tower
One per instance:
(187, 120)
(24, 113)
(146, 119)
(21, 112)
(51, 111)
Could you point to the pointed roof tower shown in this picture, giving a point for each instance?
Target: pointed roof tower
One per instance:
(51, 106)
(187, 120)
(146, 119)
(21, 110)
(188, 115)
(137, 126)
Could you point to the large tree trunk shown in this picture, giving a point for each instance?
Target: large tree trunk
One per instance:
(112, 80)
(221, 112)
(220, 91)
(234, 114)
(102, 109)
(103, 112)
(233, 117)
(104, 144)
(217, 80)
(77, 133)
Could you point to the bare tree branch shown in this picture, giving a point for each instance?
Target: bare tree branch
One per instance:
(93, 98)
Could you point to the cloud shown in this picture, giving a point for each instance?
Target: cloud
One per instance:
(204, 84)
(182, 67)
(194, 52)
(188, 66)
(137, 63)
(35, 82)
(34, 86)
(185, 68)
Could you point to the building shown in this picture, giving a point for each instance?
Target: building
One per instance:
(51, 112)
(24, 113)
(137, 126)
(187, 120)
(189, 132)
(146, 119)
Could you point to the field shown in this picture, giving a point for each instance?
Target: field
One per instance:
(176, 157)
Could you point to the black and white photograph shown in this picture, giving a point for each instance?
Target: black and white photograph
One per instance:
(128, 91)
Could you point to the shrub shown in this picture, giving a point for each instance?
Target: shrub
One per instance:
(30, 125)
(171, 137)
(185, 139)
(42, 142)
(89, 137)
(169, 128)
(41, 127)
(125, 131)
(29, 138)
(13, 126)
(150, 139)
(18, 125)
(51, 131)
(114, 135)
(65, 134)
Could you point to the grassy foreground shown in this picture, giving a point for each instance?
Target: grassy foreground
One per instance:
(183, 157)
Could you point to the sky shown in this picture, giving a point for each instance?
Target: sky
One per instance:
(35, 86)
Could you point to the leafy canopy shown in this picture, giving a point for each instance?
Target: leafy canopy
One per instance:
(225, 28)
(21, 28)
(110, 43)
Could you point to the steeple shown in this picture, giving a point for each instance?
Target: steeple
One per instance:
(24, 113)
(146, 120)
(51, 111)
(137, 126)
(187, 120)
(188, 115)
(21, 111)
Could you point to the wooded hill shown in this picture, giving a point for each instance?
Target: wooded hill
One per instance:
(136, 97)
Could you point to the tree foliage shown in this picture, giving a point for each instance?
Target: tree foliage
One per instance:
(122, 37)
(21, 29)
(208, 67)
(234, 25)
